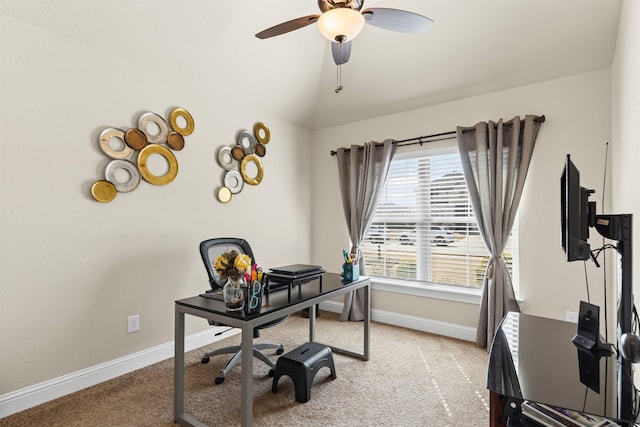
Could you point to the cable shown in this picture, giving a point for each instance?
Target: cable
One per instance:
(604, 257)
(586, 280)
(604, 175)
(596, 252)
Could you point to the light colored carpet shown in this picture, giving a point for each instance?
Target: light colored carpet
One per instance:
(412, 379)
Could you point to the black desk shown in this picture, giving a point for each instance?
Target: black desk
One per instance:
(533, 358)
(278, 305)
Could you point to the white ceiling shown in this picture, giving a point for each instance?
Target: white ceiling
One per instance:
(474, 47)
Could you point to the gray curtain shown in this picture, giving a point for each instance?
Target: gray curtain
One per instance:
(495, 160)
(362, 171)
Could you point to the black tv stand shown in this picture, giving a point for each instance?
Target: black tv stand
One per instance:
(618, 227)
(533, 359)
(600, 348)
(546, 372)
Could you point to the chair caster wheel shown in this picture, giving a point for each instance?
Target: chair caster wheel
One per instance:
(280, 351)
(204, 360)
(272, 372)
(219, 380)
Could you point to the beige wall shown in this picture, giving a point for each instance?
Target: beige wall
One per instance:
(625, 135)
(577, 113)
(73, 269)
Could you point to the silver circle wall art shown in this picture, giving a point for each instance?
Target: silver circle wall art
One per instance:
(241, 160)
(129, 169)
(131, 149)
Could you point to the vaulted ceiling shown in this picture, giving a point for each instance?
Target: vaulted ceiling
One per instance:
(474, 47)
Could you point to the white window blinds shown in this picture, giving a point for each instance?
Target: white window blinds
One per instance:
(424, 229)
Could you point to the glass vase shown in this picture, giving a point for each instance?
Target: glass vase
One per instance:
(234, 294)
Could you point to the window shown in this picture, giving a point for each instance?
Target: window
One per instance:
(424, 230)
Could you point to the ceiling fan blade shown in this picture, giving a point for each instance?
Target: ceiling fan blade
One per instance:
(397, 20)
(285, 27)
(341, 52)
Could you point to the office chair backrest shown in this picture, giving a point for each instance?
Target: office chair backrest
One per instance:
(212, 248)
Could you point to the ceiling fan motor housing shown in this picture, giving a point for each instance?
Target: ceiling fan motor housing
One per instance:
(326, 5)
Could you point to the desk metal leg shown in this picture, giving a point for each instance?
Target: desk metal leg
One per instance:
(312, 323)
(366, 329)
(367, 320)
(178, 367)
(246, 388)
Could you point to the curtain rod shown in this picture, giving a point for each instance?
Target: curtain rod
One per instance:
(440, 136)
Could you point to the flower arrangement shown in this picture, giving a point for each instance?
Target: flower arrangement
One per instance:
(232, 264)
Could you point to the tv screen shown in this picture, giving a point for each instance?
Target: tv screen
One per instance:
(575, 214)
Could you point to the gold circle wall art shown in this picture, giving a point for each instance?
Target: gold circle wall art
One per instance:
(242, 161)
(131, 150)
(143, 165)
(178, 113)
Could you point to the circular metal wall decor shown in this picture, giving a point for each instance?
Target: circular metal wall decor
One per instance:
(224, 195)
(237, 153)
(135, 139)
(103, 191)
(250, 146)
(131, 150)
(105, 138)
(134, 175)
(225, 159)
(164, 152)
(173, 119)
(259, 129)
(149, 117)
(233, 181)
(252, 158)
(244, 155)
(175, 141)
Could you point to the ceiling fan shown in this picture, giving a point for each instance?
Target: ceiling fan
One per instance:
(342, 20)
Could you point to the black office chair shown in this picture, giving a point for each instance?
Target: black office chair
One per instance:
(209, 251)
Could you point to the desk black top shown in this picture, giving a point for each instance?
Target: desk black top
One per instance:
(533, 358)
(279, 299)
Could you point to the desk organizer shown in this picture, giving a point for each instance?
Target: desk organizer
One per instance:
(253, 298)
(350, 272)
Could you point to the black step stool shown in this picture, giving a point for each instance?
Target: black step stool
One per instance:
(301, 365)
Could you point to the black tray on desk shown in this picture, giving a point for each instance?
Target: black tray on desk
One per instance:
(277, 279)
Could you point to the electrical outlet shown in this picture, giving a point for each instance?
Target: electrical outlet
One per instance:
(571, 316)
(133, 323)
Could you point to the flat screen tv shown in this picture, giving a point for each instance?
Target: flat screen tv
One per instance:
(576, 213)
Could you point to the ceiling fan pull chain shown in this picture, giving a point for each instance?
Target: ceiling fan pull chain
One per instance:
(339, 71)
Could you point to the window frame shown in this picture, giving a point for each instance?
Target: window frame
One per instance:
(427, 289)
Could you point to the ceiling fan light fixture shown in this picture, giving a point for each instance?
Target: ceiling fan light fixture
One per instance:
(341, 24)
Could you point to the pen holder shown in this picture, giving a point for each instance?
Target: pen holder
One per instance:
(253, 298)
(350, 272)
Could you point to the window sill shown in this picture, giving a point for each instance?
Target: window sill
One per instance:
(450, 293)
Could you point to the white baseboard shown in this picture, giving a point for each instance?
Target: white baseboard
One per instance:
(452, 330)
(46, 391)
